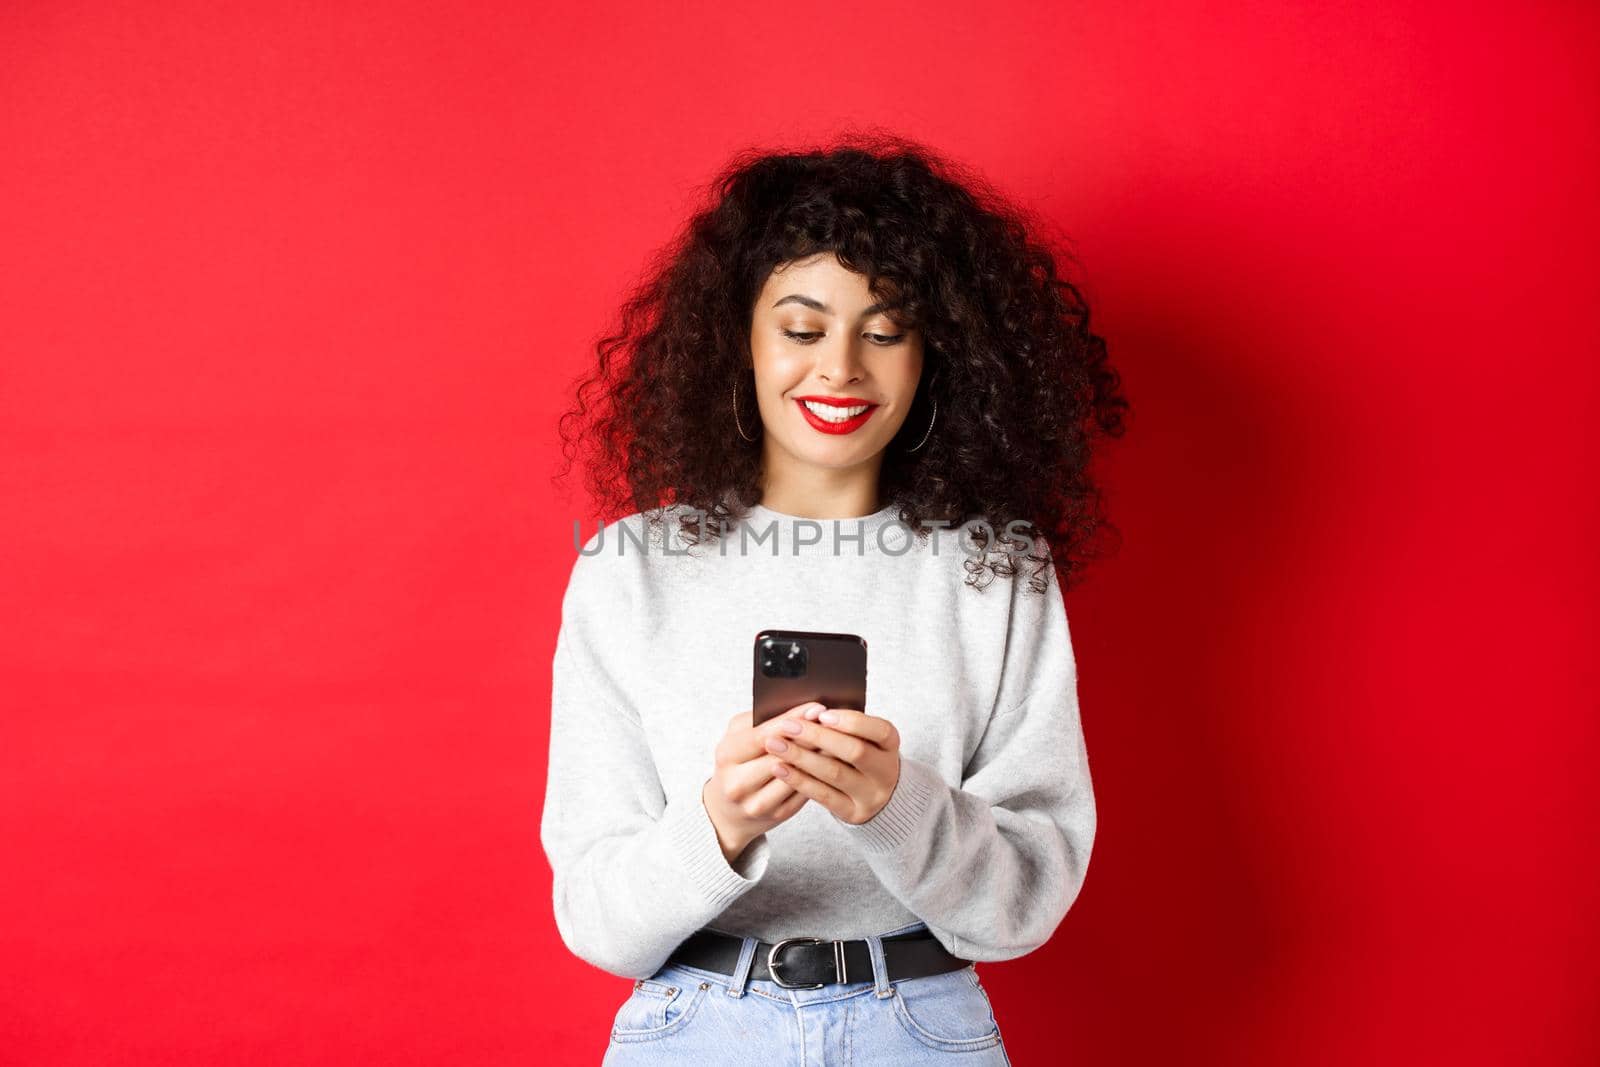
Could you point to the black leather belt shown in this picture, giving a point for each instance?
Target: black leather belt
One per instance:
(811, 962)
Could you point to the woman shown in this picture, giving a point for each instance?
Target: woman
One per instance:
(848, 355)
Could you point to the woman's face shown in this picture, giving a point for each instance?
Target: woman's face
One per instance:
(818, 335)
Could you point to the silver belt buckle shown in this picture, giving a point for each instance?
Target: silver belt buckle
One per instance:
(772, 961)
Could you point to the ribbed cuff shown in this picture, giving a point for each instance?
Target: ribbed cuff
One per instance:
(899, 819)
(694, 841)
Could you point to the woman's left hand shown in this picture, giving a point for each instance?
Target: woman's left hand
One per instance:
(850, 765)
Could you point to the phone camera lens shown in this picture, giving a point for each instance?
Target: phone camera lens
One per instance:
(783, 659)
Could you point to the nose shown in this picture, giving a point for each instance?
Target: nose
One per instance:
(840, 364)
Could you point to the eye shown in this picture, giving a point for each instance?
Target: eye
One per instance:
(886, 340)
(801, 338)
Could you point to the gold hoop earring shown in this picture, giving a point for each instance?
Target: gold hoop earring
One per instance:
(931, 421)
(736, 421)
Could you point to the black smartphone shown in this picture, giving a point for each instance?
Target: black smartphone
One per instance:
(793, 667)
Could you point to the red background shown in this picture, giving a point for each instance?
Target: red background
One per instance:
(291, 295)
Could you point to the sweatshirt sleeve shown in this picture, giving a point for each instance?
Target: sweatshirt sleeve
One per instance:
(993, 865)
(635, 871)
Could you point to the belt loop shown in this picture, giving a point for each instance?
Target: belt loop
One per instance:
(741, 970)
(880, 967)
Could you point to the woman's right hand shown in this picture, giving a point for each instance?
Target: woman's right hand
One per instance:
(742, 796)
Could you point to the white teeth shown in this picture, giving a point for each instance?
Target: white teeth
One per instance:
(830, 413)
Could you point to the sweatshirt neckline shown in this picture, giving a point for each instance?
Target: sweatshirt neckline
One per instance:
(820, 534)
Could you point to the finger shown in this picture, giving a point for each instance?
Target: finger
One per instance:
(872, 728)
(825, 768)
(775, 799)
(749, 777)
(795, 802)
(819, 738)
(823, 793)
(746, 719)
(741, 745)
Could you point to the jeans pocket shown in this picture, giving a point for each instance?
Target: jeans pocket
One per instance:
(655, 1009)
(949, 1011)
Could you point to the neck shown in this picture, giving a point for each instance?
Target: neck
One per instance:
(822, 493)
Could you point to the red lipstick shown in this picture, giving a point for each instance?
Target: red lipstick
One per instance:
(823, 425)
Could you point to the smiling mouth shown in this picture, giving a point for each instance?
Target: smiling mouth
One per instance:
(834, 412)
(835, 416)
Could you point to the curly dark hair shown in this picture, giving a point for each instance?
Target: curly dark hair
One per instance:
(1022, 384)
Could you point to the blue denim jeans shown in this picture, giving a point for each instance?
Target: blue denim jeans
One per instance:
(689, 1015)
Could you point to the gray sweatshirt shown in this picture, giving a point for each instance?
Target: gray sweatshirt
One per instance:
(988, 833)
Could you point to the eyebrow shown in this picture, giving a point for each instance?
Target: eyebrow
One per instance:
(817, 305)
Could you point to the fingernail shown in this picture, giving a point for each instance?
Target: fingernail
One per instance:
(813, 711)
(792, 727)
(828, 716)
(777, 744)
